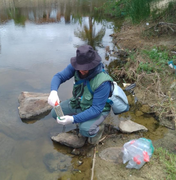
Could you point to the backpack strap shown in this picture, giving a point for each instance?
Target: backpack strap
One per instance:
(89, 88)
(79, 82)
(109, 101)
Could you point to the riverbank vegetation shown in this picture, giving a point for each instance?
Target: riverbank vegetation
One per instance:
(138, 11)
(168, 161)
(148, 35)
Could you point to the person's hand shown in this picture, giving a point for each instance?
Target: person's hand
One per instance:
(64, 120)
(53, 98)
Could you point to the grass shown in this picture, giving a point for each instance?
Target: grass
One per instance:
(157, 60)
(134, 9)
(168, 160)
(153, 60)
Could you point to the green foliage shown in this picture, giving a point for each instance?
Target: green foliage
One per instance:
(113, 8)
(168, 160)
(159, 57)
(138, 10)
(156, 59)
(147, 67)
(135, 9)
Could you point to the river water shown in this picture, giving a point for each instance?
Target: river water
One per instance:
(37, 39)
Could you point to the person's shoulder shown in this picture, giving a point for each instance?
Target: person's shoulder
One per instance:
(70, 67)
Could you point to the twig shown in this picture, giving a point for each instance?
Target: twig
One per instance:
(102, 138)
(171, 115)
(171, 29)
(163, 23)
(93, 164)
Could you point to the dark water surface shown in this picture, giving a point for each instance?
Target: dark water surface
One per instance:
(37, 39)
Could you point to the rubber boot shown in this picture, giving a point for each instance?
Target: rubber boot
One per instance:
(94, 140)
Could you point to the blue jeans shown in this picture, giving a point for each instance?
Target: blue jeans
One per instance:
(88, 128)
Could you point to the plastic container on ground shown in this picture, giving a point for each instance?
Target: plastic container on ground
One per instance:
(137, 152)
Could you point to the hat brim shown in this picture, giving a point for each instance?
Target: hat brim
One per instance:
(87, 66)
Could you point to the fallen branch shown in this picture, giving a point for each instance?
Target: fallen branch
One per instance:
(93, 163)
(171, 26)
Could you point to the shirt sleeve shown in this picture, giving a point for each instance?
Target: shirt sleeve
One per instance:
(62, 76)
(100, 97)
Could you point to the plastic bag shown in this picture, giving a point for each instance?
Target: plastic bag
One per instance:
(137, 152)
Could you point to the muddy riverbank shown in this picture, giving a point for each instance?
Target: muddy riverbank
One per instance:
(130, 37)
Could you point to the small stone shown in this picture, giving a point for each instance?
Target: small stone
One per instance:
(80, 163)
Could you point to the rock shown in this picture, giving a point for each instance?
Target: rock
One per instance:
(70, 140)
(33, 104)
(112, 154)
(129, 126)
(76, 152)
(56, 162)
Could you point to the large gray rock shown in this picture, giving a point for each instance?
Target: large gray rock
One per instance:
(129, 126)
(70, 140)
(33, 104)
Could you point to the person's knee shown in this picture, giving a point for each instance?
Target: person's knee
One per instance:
(88, 131)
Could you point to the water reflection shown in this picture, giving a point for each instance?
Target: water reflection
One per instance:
(88, 33)
(37, 40)
(63, 11)
(40, 11)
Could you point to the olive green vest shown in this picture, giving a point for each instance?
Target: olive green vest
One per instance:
(82, 97)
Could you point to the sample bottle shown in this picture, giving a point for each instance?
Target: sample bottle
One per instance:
(58, 110)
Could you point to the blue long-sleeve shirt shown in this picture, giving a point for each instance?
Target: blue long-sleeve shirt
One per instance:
(100, 96)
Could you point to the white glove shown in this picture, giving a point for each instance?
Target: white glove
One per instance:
(64, 120)
(53, 98)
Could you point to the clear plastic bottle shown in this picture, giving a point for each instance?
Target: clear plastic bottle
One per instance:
(126, 155)
(137, 152)
(58, 110)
